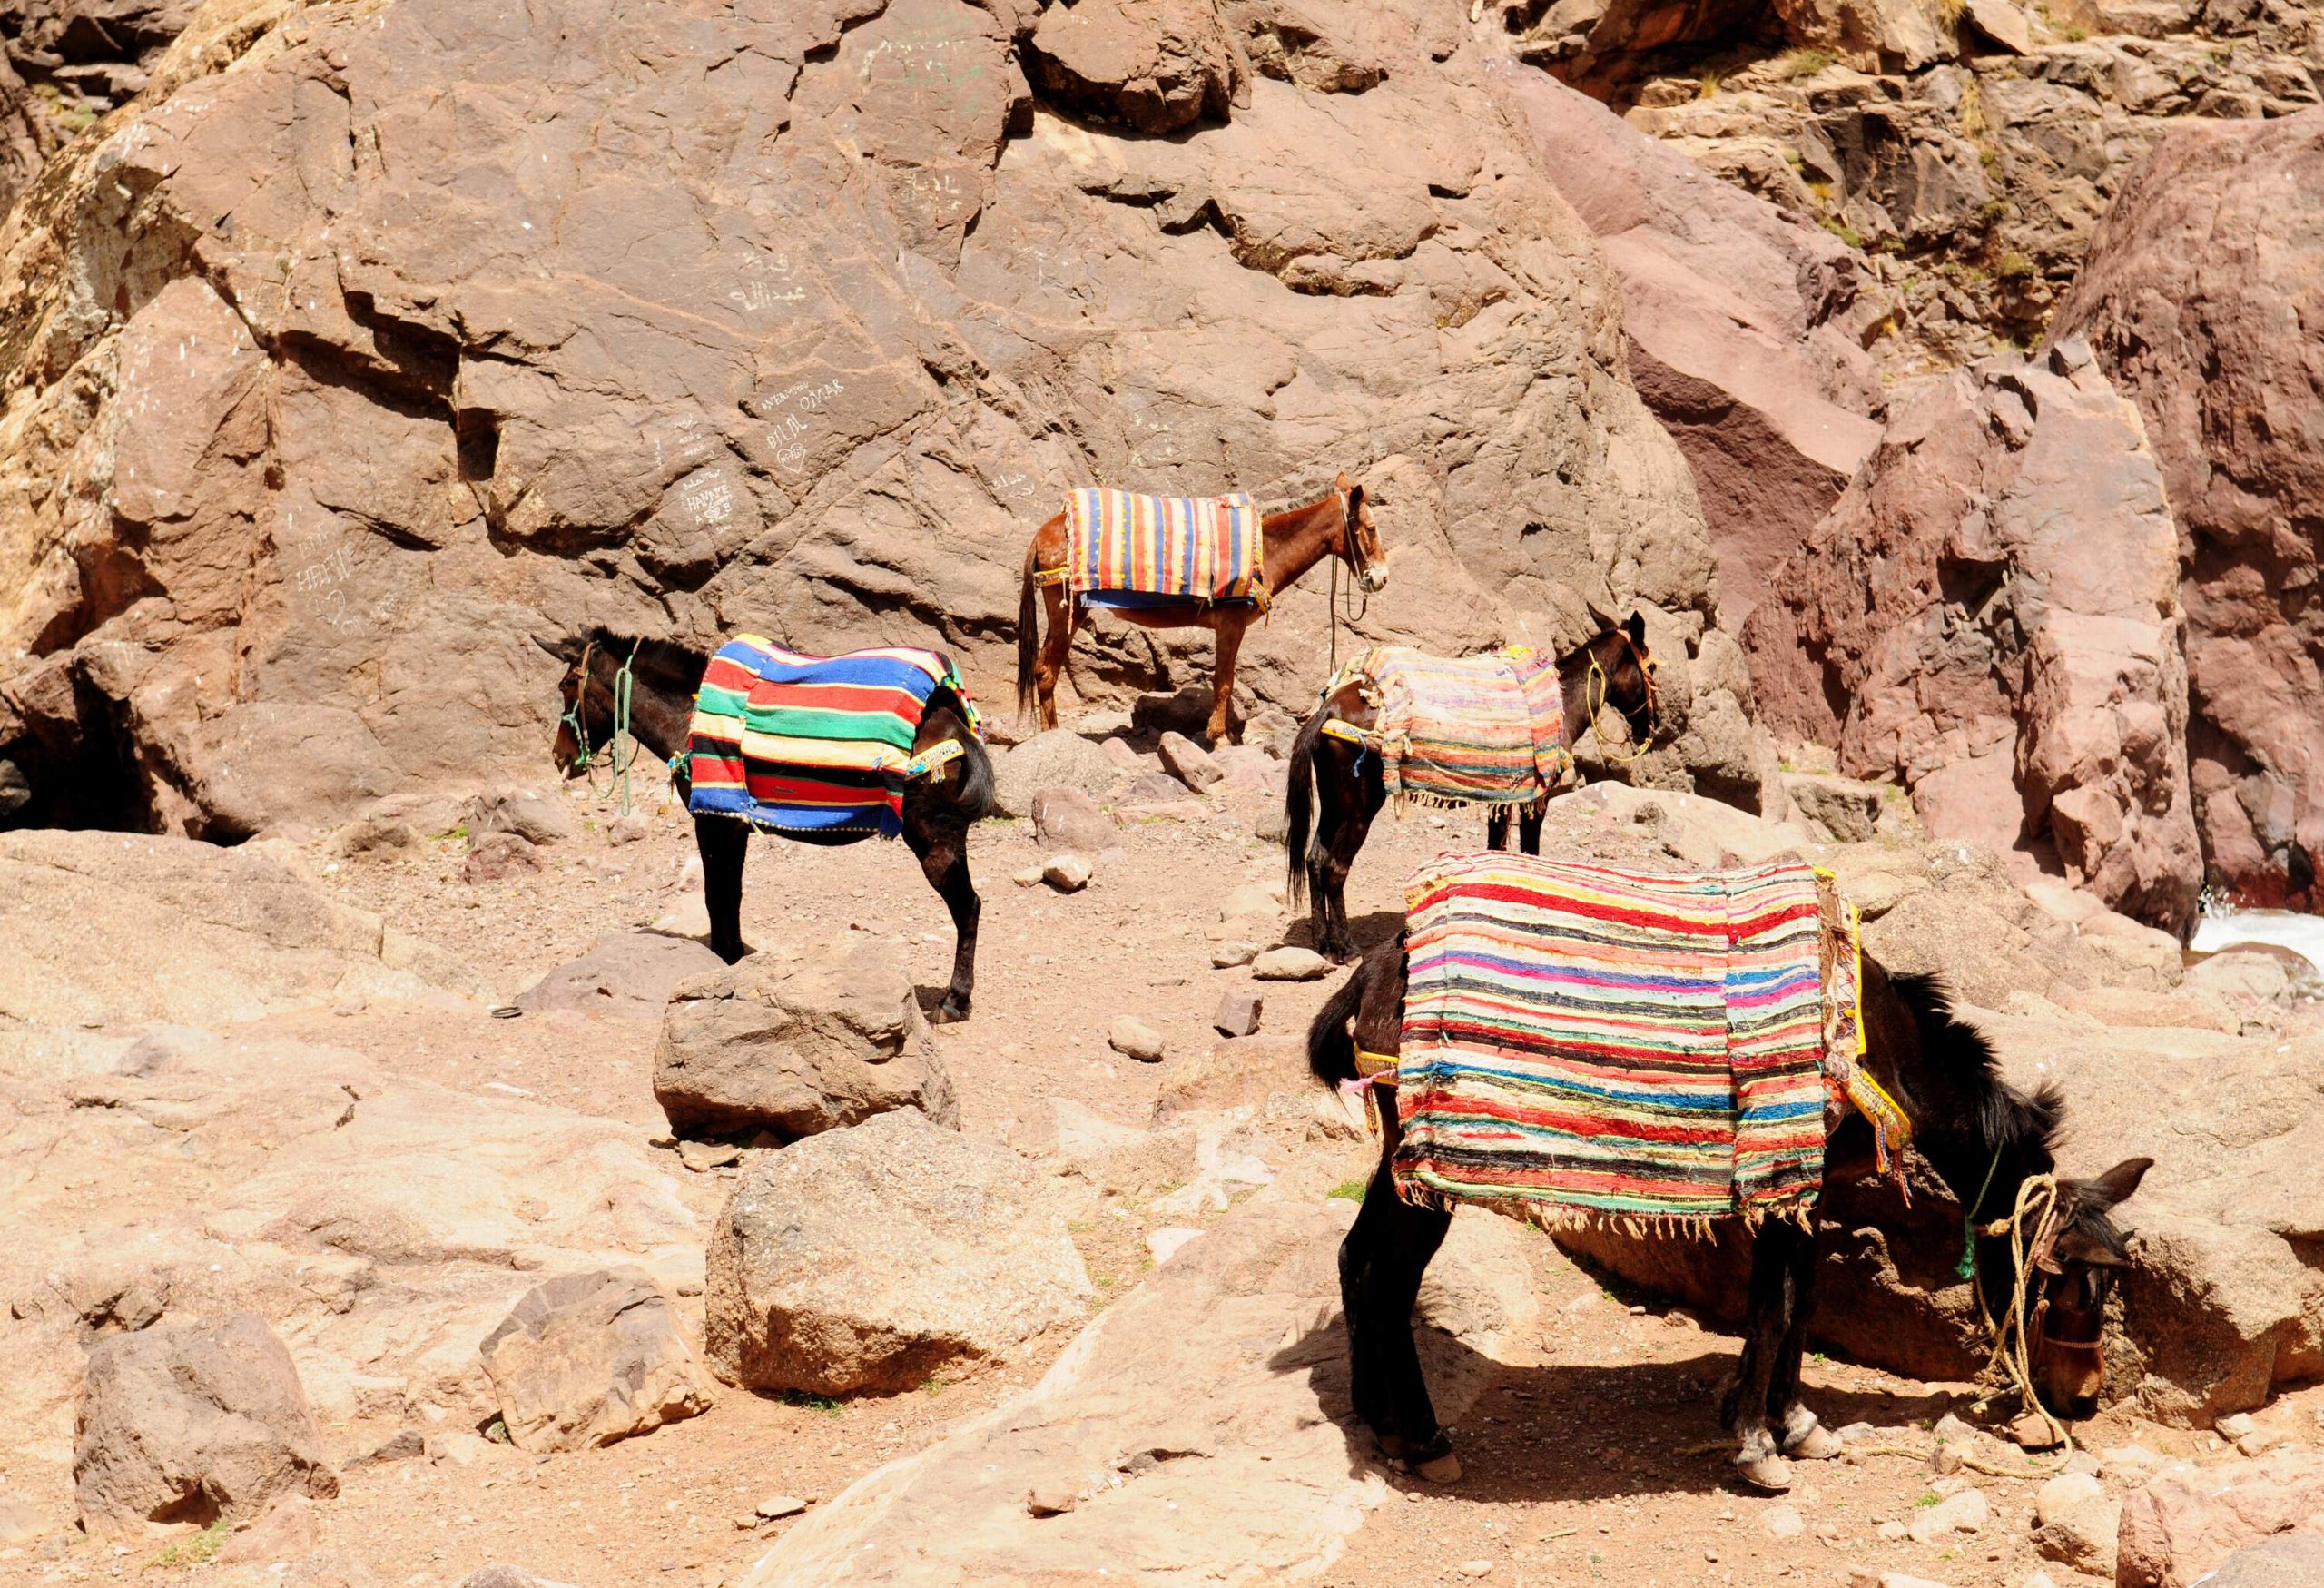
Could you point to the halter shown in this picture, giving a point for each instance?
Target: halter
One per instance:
(1351, 553)
(1597, 676)
(575, 717)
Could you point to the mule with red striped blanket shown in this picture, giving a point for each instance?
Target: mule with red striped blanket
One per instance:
(1682, 1054)
(826, 750)
(1178, 562)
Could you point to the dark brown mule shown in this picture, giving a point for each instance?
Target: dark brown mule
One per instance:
(1982, 1136)
(1335, 524)
(1611, 670)
(938, 809)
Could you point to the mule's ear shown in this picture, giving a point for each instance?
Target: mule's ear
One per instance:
(1340, 481)
(1355, 495)
(2113, 1188)
(1636, 628)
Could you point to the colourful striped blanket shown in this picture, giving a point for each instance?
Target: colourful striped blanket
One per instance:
(808, 744)
(1468, 730)
(1585, 1043)
(1129, 550)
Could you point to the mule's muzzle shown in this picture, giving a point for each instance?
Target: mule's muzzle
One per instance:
(1373, 579)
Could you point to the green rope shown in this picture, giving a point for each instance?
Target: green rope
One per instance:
(1967, 1268)
(619, 758)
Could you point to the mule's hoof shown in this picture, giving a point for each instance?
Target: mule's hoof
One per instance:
(1817, 1443)
(1770, 1474)
(1443, 1469)
(948, 1013)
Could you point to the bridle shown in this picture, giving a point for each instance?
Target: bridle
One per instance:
(575, 718)
(1603, 684)
(1351, 553)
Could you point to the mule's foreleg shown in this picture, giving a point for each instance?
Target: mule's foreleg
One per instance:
(1345, 805)
(1529, 833)
(944, 861)
(1228, 627)
(1382, 1261)
(1774, 1303)
(723, 843)
(1497, 829)
(1797, 1430)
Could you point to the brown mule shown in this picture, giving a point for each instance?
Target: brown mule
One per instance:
(1335, 524)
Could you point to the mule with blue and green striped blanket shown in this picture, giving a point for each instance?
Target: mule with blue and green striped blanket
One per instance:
(883, 743)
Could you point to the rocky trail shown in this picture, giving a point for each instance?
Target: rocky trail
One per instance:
(376, 1168)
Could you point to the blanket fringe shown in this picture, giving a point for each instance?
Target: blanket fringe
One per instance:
(1553, 1219)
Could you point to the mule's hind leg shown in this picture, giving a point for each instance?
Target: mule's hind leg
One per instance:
(1529, 833)
(944, 861)
(1497, 829)
(1773, 1300)
(1055, 606)
(723, 843)
(1797, 1430)
(1346, 801)
(1381, 1260)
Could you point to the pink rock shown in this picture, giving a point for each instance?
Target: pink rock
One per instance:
(2191, 297)
(2186, 1521)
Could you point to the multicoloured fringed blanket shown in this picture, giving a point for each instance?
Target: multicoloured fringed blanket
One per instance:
(1129, 550)
(1586, 1043)
(811, 743)
(1468, 730)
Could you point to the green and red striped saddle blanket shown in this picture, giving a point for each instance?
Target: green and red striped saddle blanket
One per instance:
(802, 744)
(1582, 1042)
(1466, 730)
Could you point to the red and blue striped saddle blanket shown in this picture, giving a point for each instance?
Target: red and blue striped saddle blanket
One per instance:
(804, 743)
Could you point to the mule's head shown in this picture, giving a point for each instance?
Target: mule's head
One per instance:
(1625, 678)
(1359, 544)
(2076, 1261)
(585, 713)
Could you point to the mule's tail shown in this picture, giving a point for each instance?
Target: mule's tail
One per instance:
(1298, 803)
(1330, 1043)
(1029, 645)
(976, 782)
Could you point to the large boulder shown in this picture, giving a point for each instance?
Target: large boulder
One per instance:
(1989, 616)
(627, 973)
(2187, 1522)
(169, 930)
(824, 353)
(875, 1256)
(1199, 1430)
(2200, 298)
(590, 1359)
(794, 1041)
(1155, 66)
(1742, 322)
(193, 1424)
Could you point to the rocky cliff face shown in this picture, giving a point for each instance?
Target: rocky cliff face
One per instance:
(2203, 295)
(373, 349)
(1967, 152)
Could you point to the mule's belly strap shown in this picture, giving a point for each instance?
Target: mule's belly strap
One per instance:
(1051, 576)
(936, 757)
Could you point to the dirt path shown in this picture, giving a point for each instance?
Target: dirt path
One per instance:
(1589, 1466)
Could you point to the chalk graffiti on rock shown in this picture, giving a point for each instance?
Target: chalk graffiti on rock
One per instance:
(709, 499)
(787, 431)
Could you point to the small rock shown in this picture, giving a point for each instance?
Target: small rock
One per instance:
(702, 1157)
(1783, 1521)
(778, 1506)
(1290, 964)
(2040, 1580)
(2033, 1432)
(1068, 874)
(1225, 956)
(1026, 876)
(1891, 1530)
(1189, 762)
(2064, 1493)
(2258, 1442)
(527, 813)
(630, 829)
(406, 1445)
(1134, 1039)
(1945, 1459)
(1272, 823)
(1474, 1568)
(1964, 1512)
(498, 856)
(2084, 1537)
(1153, 788)
(1066, 818)
(1050, 1500)
(2234, 1425)
(1238, 1012)
(457, 1448)
(1122, 753)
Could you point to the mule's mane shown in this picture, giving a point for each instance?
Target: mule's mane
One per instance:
(1997, 1112)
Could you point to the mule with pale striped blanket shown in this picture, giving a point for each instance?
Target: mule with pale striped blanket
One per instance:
(1177, 562)
(1496, 730)
(1571, 1044)
(826, 750)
